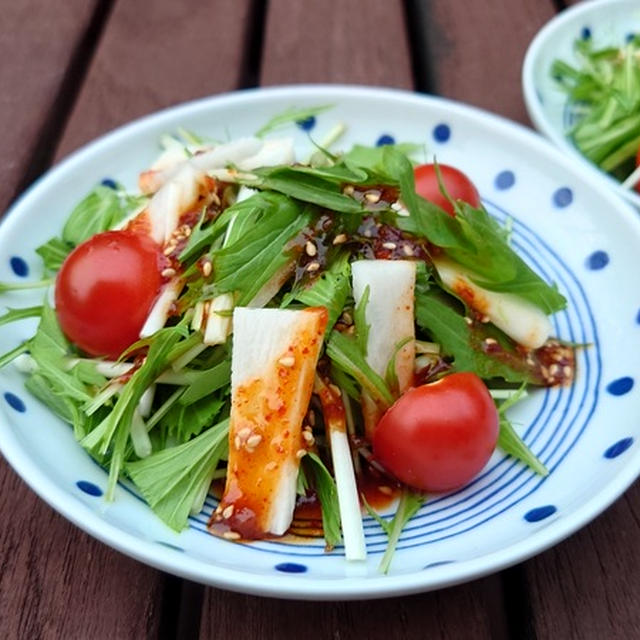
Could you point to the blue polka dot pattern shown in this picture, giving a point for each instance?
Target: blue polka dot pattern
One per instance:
(505, 180)
(563, 197)
(19, 266)
(438, 564)
(598, 260)
(630, 37)
(620, 386)
(540, 513)
(170, 546)
(291, 567)
(108, 182)
(441, 132)
(89, 488)
(585, 34)
(384, 139)
(638, 317)
(14, 402)
(307, 124)
(619, 447)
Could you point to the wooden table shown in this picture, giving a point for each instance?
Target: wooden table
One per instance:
(72, 70)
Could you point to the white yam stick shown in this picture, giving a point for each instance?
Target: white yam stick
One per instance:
(389, 314)
(518, 318)
(355, 547)
(275, 352)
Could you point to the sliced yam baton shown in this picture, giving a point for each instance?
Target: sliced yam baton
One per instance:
(334, 414)
(275, 353)
(389, 314)
(518, 318)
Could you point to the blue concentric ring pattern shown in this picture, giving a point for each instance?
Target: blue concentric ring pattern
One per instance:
(559, 418)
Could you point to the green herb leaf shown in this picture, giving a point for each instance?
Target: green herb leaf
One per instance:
(346, 355)
(19, 314)
(331, 290)
(246, 265)
(360, 321)
(463, 343)
(325, 486)
(171, 480)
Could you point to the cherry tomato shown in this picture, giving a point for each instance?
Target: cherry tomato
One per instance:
(458, 186)
(438, 436)
(105, 290)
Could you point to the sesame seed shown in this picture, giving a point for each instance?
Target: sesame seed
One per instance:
(244, 433)
(348, 190)
(313, 266)
(407, 250)
(308, 437)
(340, 238)
(567, 371)
(186, 231)
(169, 249)
(384, 489)
(545, 372)
(228, 512)
(346, 318)
(554, 369)
(270, 466)
(468, 320)
(372, 197)
(254, 441)
(490, 341)
(368, 233)
(168, 273)
(301, 453)
(206, 269)
(231, 535)
(389, 245)
(310, 248)
(287, 361)
(237, 442)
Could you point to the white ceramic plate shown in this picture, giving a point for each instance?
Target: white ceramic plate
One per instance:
(587, 435)
(608, 23)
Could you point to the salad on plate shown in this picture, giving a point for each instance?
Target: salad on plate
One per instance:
(310, 339)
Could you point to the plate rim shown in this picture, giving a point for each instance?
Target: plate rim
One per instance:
(299, 586)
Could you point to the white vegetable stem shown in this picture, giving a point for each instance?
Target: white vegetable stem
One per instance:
(389, 314)
(518, 318)
(275, 353)
(355, 547)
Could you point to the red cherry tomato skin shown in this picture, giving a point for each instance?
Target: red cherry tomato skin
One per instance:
(105, 289)
(438, 436)
(457, 184)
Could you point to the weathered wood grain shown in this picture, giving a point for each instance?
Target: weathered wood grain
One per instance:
(338, 41)
(56, 581)
(31, 73)
(475, 50)
(459, 612)
(156, 54)
(589, 586)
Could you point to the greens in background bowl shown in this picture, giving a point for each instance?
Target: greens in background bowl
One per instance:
(574, 41)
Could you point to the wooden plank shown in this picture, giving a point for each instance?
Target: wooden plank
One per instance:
(156, 55)
(339, 41)
(31, 74)
(57, 581)
(449, 613)
(475, 50)
(589, 586)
